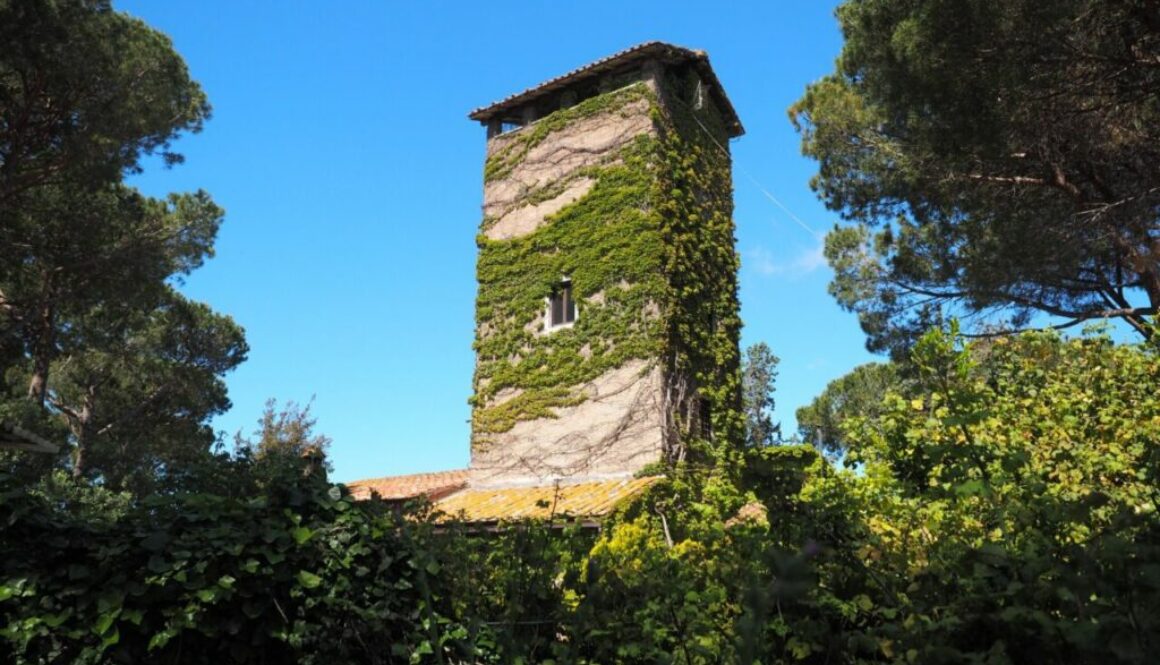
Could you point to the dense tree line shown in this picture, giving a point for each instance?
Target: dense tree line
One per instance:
(998, 161)
(1002, 510)
(98, 348)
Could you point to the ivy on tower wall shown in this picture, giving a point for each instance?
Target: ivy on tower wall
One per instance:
(607, 243)
(649, 250)
(703, 321)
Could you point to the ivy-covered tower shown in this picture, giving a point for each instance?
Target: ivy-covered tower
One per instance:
(607, 315)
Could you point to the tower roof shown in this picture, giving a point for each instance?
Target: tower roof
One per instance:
(654, 50)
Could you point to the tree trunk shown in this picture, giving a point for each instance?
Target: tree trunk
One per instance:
(1147, 266)
(1151, 276)
(82, 430)
(42, 344)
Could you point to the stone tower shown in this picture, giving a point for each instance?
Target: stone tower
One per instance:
(606, 317)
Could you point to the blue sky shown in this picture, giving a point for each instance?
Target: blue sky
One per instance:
(352, 180)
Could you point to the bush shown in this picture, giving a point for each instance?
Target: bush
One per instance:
(295, 571)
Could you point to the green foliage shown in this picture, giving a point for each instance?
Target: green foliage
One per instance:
(1003, 511)
(90, 504)
(284, 569)
(607, 244)
(777, 474)
(1001, 500)
(93, 334)
(85, 92)
(860, 393)
(286, 432)
(646, 601)
(703, 325)
(514, 587)
(137, 391)
(649, 252)
(758, 374)
(1007, 512)
(986, 172)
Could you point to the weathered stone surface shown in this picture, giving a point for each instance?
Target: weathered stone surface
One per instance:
(617, 428)
(551, 407)
(505, 395)
(522, 220)
(586, 142)
(613, 433)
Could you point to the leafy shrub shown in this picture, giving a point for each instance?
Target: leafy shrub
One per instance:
(295, 571)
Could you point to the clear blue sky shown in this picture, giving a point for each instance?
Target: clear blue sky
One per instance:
(352, 182)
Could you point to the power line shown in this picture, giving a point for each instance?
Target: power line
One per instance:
(817, 235)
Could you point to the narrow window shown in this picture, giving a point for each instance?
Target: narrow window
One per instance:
(561, 306)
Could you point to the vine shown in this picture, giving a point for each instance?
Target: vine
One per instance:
(649, 252)
(703, 323)
(500, 164)
(609, 245)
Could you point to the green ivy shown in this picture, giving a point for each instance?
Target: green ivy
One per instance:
(289, 569)
(607, 243)
(500, 164)
(655, 232)
(703, 321)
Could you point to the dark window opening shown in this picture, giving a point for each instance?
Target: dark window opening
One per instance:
(561, 307)
(509, 125)
(582, 91)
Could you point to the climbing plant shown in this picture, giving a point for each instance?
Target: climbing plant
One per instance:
(703, 322)
(649, 254)
(273, 568)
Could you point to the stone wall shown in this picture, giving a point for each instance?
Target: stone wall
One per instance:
(557, 160)
(615, 431)
(609, 425)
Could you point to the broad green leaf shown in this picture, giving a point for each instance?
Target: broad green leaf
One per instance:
(308, 579)
(301, 534)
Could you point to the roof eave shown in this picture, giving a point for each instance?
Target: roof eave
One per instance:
(654, 49)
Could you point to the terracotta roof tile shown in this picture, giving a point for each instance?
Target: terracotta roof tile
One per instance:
(395, 488)
(591, 499)
(653, 49)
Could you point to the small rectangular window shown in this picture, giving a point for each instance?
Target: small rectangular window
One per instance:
(561, 306)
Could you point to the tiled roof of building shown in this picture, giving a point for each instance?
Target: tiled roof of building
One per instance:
(395, 488)
(640, 52)
(581, 500)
